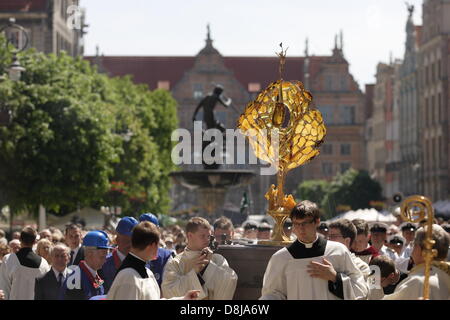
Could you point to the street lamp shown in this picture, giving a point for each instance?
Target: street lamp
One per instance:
(17, 36)
(15, 69)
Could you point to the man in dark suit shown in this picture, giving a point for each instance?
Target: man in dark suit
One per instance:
(73, 240)
(48, 287)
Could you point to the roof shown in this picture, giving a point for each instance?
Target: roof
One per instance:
(147, 70)
(23, 5)
(151, 69)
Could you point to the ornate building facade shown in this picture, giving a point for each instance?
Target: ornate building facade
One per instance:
(52, 25)
(407, 79)
(434, 99)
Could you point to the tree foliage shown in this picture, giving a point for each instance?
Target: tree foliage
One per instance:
(75, 133)
(353, 188)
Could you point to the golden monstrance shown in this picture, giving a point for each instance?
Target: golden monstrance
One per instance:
(285, 130)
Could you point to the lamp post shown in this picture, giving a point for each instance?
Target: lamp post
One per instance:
(18, 37)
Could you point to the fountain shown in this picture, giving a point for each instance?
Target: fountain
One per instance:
(212, 183)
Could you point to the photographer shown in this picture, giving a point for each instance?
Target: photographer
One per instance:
(223, 230)
(198, 268)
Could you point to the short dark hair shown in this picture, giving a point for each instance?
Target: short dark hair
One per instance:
(195, 223)
(386, 265)
(305, 209)
(28, 236)
(223, 223)
(346, 227)
(144, 234)
(72, 226)
(362, 227)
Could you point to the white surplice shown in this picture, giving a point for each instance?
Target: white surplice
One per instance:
(129, 285)
(17, 281)
(219, 279)
(287, 278)
(411, 288)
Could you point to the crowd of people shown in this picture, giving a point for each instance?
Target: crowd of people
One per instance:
(142, 260)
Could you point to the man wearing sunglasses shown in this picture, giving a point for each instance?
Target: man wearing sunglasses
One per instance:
(312, 268)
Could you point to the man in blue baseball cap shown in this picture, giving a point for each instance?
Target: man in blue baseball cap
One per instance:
(164, 255)
(114, 260)
(84, 282)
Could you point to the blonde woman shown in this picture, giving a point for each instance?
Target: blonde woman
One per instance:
(44, 248)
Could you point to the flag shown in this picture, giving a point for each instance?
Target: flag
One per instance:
(244, 203)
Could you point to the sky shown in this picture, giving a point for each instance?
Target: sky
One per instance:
(373, 30)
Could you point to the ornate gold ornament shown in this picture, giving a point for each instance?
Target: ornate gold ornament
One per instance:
(417, 209)
(285, 130)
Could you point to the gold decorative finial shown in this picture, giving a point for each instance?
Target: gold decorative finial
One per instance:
(282, 56)
(419, 209)
(285, 130)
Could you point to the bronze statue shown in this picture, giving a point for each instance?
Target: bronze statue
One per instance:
(208, 104)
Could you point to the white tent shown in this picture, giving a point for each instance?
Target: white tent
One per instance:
(94, 219)
(370, 215)
(442, 207)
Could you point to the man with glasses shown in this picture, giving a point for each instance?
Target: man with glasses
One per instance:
(344, 231)
(312, 268)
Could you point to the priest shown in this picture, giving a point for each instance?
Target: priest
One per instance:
(411, 288)
(134, 281)
(312, 268)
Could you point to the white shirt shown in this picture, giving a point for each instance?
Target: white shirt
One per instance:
(92, 271)
(75, 252)
(64, 273)
(121, 255)
(385, 251)
(137, 257)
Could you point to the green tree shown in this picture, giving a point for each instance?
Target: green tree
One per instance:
(58, 148)
(313, 190)
(145, 162)
(78, 137)
(353, 188)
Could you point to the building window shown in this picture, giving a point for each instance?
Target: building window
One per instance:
(345, 166)
(348, 115)
(327, 169)
(327, 149)
(63, 4)
(254, 87)
(329, 83)
(344, 83)
(327, 114)
(346, 149)
(198, 90)
(164, 85)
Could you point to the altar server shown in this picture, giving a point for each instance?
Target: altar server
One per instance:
(197, 267)
(134, 281)
(312, 267)
(19, 271)
(411, 288)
